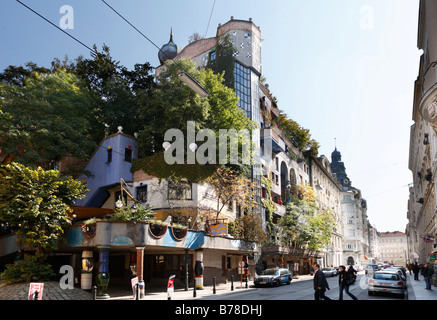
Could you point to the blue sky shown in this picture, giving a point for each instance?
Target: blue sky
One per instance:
(344, 69)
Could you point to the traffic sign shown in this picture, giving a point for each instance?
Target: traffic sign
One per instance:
(429, 238)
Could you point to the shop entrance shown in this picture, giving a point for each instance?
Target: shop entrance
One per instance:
(162, 266)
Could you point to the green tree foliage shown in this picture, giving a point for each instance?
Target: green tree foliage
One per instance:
(298, 135)
(249, 227)
(305, 224)
(45, 117)
(223, 60)
(172, 105)
(117, 92)
(37, 203)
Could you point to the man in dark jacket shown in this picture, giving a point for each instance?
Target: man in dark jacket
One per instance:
(427, 274)
(416, 270)
(320, 284)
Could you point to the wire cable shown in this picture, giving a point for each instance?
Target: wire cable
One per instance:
(175, 62)
(91, 50)
(209, 21)
(131, 25)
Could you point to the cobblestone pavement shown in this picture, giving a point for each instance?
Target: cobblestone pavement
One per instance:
(52, 291)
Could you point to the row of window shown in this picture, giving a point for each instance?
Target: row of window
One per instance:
(127, 155)
(176, 191)
(242, 78)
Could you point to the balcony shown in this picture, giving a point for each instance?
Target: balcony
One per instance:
(272, 136)
(125, 235)
(280, 210)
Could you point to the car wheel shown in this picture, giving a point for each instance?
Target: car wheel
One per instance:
(289, 280)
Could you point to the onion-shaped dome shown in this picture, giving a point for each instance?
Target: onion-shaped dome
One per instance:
(168, 51)
(336, 156)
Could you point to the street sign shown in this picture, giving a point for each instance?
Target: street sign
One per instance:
(170, 287)
(35, 291)
(134, 282)
(429, 238)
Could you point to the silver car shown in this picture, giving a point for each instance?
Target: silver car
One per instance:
(329, 272)
(388, 282)
(398, 271)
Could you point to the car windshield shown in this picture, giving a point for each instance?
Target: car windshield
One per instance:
(326, 269)
(386, 276)
(270, 272)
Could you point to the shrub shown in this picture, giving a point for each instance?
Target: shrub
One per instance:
(31, 268)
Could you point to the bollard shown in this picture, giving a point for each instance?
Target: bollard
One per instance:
(247, 282)
(194, 289)
(94, 293)
(35, 295)
(213, 285)
(232, 282)
(137, 291)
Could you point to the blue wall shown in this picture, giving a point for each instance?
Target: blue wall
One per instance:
(105, 173)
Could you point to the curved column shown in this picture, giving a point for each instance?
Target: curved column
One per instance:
(198, 270)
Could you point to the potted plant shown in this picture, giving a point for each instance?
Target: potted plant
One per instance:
(179, 231)
(157, 228)
(89, 228)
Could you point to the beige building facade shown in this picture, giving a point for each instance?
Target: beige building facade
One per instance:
(393, 248)
(423, 142)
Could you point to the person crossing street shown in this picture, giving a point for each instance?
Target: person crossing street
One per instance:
(344, 281)
(320, 284)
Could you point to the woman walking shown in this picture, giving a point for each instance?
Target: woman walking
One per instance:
(344, 281)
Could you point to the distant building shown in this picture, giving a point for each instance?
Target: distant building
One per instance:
(354, 216)
(393, 247)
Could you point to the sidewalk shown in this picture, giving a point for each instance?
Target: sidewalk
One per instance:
(181, 294)
(417, 291)
(52, 291)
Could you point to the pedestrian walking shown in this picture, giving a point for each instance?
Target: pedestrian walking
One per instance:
(353, 273)
(320, 284)
(427, 274)
(416, 270)
(410, 267)
(344, 281)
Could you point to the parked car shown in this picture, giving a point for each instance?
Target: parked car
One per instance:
(399, 271)
(329, 271)
(402, 268)
(388, 282)
(273, 277)
(371, 269)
